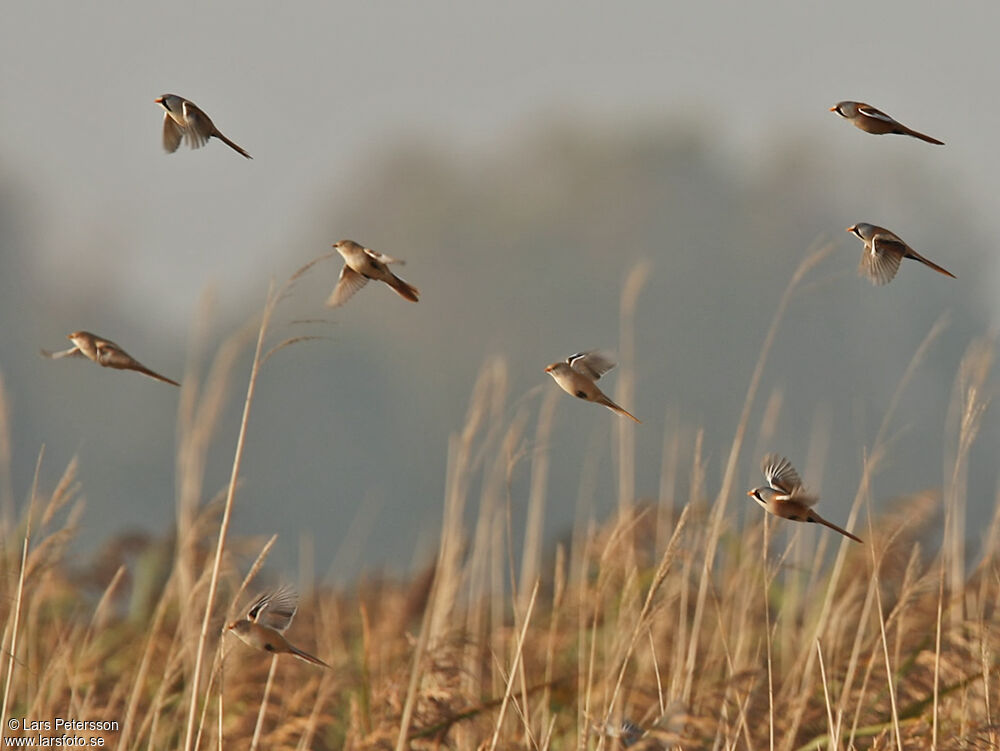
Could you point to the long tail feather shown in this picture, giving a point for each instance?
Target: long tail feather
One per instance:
(923, 137)
(152, 374)
(405, 290)
(615, 408)
(817, 518)
(231, 144)
(930, 264)
(305, 656)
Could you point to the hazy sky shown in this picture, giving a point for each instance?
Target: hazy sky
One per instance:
(314, 91)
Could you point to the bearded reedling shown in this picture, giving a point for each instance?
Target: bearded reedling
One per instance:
(884, 251)
(265, 622)
(784, 495)
(184, 120)
(104, 352)
(870, 120)
(577, 376)
(362, 264)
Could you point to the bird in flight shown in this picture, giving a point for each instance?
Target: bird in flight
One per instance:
(871, 120)
(577, 375)
(265, 622)
(783, 495)
(183, 119)
(104, 352)
(884, 251)
(362, 264)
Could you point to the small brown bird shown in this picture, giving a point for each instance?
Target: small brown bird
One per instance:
(870, 120)
(103, 352)
(266, 621)
(184, 119)
(362, 264)
(577, 376)
(884, 251)
(627, 732)
(784, 495)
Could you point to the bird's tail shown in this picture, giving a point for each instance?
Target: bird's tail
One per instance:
(232, 144)
(923, 137)
(305, 656)
(930, 264)
(814, 517)
(405, 290)
(615, 408)
(153, 374)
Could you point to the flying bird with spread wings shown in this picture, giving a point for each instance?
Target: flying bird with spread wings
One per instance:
(266, 621)
(184, 120)
(784, 495)
(577, 375)
(362, 265)
(884, 251)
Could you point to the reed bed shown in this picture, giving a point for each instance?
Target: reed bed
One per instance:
(665, 626)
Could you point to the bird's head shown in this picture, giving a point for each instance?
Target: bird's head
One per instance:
(845, 109)
(860, 229)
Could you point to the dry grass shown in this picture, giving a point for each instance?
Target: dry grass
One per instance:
(666, 615)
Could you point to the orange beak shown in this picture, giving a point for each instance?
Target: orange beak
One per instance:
(832, 109)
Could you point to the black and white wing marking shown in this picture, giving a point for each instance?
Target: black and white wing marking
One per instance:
(592, 364)
(275, 609)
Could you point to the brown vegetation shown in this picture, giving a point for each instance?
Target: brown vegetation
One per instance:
(668, 615)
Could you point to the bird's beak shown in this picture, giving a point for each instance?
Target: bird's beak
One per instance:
(750, 493)
(550, 368)
(159, 100)
(832, 109)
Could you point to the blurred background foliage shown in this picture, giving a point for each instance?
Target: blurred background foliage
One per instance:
(520, 192)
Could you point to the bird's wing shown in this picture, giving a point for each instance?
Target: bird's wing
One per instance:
(275, 609)
(780, 474)
(882, 262)
(71, 352)
(199, 126)
(868, 111)
(591, 364)
(172, 134)
(386, 259)
(110, 355)
(350, 281)
(254, 610)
